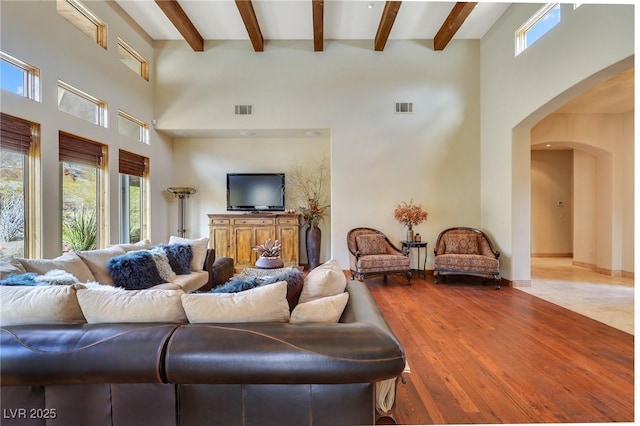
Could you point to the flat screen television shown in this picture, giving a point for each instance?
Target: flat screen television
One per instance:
(255, 191)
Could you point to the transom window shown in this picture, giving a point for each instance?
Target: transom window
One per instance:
(537, 26)
(19, 77)
(83, 19)
(130, 126)
(81, 104)
(133, 59)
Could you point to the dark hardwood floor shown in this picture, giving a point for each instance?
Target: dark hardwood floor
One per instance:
(480, 355)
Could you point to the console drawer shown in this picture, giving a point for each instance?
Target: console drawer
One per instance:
(219, 222)
(255, 221)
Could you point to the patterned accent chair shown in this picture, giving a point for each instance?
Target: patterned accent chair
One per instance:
(465, 251)
(371, 253)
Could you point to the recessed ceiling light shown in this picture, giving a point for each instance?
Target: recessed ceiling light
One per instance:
(312, 133)
(370, 5)
(247, 133)
(548, 145)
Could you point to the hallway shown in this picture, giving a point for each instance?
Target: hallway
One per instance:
(604, 298)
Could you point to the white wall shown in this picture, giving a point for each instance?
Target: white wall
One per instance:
(552, 202)
(34, 33)
(518, 91)
(378, 158)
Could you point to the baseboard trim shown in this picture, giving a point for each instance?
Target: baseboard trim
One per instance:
(520, 283)
(585, 265)
(551, 254)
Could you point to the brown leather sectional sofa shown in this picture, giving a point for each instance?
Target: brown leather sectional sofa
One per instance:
(199, 374)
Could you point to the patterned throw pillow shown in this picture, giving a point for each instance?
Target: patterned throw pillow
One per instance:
(466, 243)
(371, 244)
(179, 256)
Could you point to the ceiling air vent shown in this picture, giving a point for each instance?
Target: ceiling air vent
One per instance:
(244, 109)
(404, 107)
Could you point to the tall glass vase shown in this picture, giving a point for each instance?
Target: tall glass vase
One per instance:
(313, 237)
(410, 234)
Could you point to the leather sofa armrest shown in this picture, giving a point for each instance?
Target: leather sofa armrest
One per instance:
(363, 308)
(220, 270)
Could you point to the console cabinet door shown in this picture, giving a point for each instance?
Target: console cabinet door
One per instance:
(288, 235)
(220, 238)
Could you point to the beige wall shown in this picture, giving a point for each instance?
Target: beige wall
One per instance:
(34, 32)
(603, 185)
(591, 44)
(377, 158)
(552, 203)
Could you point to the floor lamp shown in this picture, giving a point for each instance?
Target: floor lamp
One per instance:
(181, 192)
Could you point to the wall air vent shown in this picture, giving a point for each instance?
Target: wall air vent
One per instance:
(244, 109)
(404, 107)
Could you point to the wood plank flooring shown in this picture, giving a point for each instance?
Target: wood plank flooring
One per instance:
(478, 355)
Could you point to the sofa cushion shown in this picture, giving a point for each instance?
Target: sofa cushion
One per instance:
(69, 262)
(472, 263)
(179, 256)
(135, 270)
(96, 260)
(140, 245)
(371, 244)
(325, 280)
(9, 265)
(192, 281)
(119, 305)
(384, 262)
(261, 304)
(39, 305)
(327, 309)
(199, 247)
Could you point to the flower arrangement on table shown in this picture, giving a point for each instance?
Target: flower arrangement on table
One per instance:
(409, 215)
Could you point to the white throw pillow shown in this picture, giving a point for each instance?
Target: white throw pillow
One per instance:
(140, 245)
(199, 248)
(119, 305)
(323, 281)
(50, 304)
(10, 265)
(327, 309)
(97, 260)
(69, 262)
(267, 303)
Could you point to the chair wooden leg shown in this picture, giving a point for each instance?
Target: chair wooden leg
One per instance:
(409, 277)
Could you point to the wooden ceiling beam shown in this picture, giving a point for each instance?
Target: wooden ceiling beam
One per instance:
(245, 7)
(183, 24)
(318, 25)
(387, 19)
(452, 24)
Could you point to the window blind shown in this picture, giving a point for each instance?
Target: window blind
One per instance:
(74, 149)
(131, 164)
(15, 134)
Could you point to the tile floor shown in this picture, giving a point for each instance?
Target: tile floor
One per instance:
(601, 297)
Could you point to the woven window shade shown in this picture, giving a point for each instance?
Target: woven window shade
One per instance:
(74, 149)
(131, 164)
(15, 134)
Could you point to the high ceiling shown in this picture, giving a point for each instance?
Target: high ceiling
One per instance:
(301, 19)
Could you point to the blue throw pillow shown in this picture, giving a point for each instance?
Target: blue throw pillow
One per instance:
(21, 279)
(236, 285)
(135, 270)
(179, 256)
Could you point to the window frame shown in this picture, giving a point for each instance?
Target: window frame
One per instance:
(130, 164)
(32, 192)
(31, 78)
(77, 14)
(102, 106)
(102, 186)
(144, 64)
(521, 43)
(144, 127)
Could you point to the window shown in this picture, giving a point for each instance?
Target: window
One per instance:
(81, 105)
(133, 60)
(82, 167)
(133, 199)
(130, 126)
(537, 26)
(19, 77)
(19, 156)
(83, 19)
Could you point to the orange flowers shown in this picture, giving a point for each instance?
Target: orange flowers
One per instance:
(409, 214)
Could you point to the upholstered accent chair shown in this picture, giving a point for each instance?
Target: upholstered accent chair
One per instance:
(371, 253)
(465, 251)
